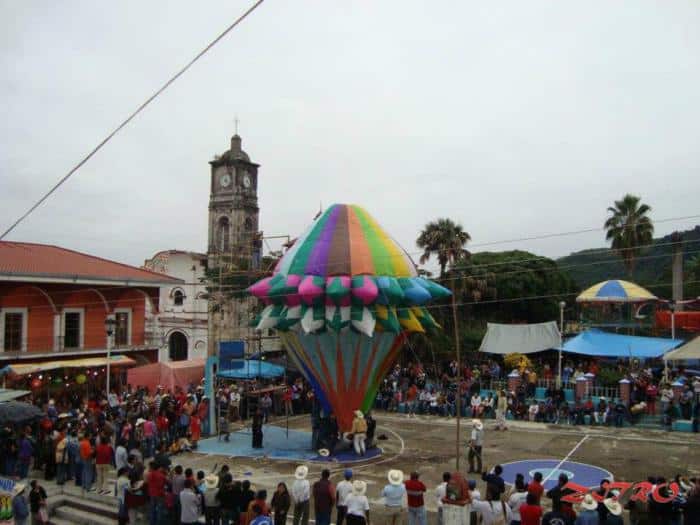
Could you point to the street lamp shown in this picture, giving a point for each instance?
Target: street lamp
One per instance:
(110, 323)
(562, 305)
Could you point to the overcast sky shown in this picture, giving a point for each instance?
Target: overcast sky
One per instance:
(514, 118)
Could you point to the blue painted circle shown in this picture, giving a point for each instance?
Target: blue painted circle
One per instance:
(581, 473)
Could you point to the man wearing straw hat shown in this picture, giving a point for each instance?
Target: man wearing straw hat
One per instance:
(589, 512)
(358, 504)
(301, 494)
(476, 442)
(393, 495)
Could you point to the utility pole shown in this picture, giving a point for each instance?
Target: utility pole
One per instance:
(458, 447)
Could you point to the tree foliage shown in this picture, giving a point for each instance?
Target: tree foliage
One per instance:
(444, 239)
(628, 228)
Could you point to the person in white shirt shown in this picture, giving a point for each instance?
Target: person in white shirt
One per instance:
(342, 491)
(301, 493)
(234, 404)
(440, 493)
(518, 497)
(493, 509)
(190, 504)
(358, 504)
(476, 443)
(476, 405)
(532, 411)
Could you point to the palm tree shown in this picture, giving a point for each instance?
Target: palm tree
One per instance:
(446, 239)
(629, 228)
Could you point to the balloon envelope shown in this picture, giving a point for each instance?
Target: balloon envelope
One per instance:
(344, 369)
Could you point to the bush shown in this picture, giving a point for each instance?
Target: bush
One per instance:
(516, 360)
(608, 377)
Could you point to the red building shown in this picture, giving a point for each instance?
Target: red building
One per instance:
(54, 303)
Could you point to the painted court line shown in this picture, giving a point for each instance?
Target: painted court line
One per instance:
(571, 452)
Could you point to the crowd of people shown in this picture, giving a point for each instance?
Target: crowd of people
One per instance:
(482, 390)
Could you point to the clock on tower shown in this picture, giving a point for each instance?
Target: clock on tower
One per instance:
(233, 209)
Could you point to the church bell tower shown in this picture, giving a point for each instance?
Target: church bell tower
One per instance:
(234, 240)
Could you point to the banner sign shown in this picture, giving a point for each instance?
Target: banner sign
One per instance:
(7, 487)
(231, 354)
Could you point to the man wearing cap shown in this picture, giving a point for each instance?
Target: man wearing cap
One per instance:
(416, 506)
(393, 495)
(476, 442)
(342, 492)
(301, 493)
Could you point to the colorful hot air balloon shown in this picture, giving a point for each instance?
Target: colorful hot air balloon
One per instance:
(343, 298)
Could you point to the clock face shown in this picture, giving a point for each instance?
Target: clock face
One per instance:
(246, 180)
(225, 180)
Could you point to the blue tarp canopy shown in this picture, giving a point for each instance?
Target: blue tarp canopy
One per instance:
(598, 343)
(252, 369)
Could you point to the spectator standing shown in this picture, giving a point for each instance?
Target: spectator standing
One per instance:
(440, 494)
(301, 494)
(20, 511)
(190, 504)
(614, 516)
(476, 443)
(342, 491)
(416, 506)
(517, 499)
(37, 503)
(393, 495)
(281, 501)
(493, 511)
(103, 462)
(87, 459)
(259, 518)
(495, 480)
(535, 487)
(557, 492)
(155, 481)
(324, 498)
(358, 504)
(212, 512)
(501, 409)
(530, 511)
(589, 512)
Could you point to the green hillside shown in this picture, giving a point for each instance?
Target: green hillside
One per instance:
(588, 267)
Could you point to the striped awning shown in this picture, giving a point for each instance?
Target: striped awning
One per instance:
(22, 369)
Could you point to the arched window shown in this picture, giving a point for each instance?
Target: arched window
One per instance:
(223, 234)
(178, 297)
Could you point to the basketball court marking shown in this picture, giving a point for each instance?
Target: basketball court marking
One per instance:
(584, 438)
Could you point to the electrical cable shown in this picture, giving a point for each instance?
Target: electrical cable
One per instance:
(130, 117)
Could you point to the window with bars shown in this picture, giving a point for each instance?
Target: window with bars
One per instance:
(13, 332)
(121, 329)
(71, 333)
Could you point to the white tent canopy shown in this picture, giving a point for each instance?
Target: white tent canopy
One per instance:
(690, 350)
(522, 338)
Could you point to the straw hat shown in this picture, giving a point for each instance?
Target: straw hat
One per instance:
(51, 402)
(63, 415)
(477, 424)
(324, 452)
(613, 506)
(395, 477)
(140, 421)
(18, 488)
(358, 413)
(589, 503)
(211, 481)
(301, 472)
(359, 487)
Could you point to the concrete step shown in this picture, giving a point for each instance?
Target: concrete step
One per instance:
(65, 514)
(105, 507)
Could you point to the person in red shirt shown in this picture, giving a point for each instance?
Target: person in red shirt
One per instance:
(195, 430)
(103, 462)
(416, 506)
(652, 393)
(155, 483)
(530, 511)
(535, 487)
(86, 459)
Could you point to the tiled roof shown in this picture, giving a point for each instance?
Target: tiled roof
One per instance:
(25, 259)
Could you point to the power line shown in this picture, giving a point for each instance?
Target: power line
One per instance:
(130, 117)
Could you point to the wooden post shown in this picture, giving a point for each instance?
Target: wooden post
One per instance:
(459, 380)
